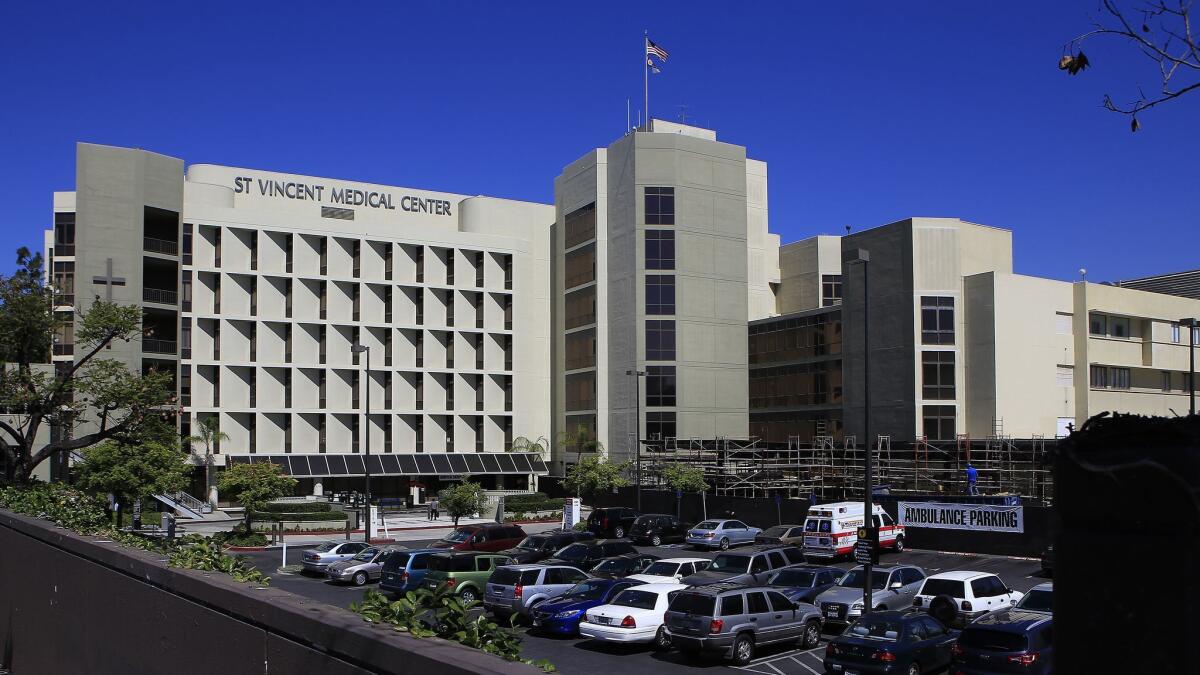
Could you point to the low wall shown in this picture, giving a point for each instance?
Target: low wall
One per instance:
(267, 526)
(73, 604)
(763, 512)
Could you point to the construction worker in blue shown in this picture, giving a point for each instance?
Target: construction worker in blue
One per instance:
(972, 476)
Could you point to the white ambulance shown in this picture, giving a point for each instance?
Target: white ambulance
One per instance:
(831, 530)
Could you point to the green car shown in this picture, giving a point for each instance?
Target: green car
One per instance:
(466, 572)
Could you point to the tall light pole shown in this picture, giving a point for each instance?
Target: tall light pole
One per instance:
(360, 349)
(637, 431)
(1191, 326)
(864, 257)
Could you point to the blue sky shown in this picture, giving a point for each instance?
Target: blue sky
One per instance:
(866, 113)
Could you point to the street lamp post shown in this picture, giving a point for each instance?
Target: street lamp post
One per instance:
(1191, 324)
(360, 349)
(864, 257)
(637, 431)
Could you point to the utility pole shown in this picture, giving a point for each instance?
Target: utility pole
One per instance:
(1191, 326)
(864, 257)
(637, 431)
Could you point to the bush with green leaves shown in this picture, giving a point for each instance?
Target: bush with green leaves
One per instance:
(296, 507)
(239, 537)
(206, 555)
(59, 503)
(442, 613)
(331, 516)
(465, 499)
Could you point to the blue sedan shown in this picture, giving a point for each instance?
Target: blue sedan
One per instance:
(561, 615)
(908, 642)
(721, 534)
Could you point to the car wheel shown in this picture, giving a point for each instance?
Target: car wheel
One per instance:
(899, 544)
(662, 641)
(743, 649)
(914, 669)
(360, 579)
(724, 543)
(812, 635)
(618, 532)
(468, 595)
(656, 540)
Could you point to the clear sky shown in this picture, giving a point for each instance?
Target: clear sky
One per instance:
(866, 112)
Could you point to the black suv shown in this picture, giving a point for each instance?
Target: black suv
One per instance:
(538, 547)
(753, 565)
(611, 522)
(585, 555)
(657, 529)
(622, 566)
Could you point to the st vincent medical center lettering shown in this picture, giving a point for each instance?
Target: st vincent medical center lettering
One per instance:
(343, 196)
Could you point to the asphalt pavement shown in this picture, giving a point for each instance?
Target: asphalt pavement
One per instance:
(572, 655)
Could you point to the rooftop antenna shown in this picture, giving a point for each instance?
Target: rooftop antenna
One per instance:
(627, 113)
(683, 114)
(847, 229)
(1083, 273)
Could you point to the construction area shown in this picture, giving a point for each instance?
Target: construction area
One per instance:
(834, 469)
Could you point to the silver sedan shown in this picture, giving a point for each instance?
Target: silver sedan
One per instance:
(365, 567)
(317, 559)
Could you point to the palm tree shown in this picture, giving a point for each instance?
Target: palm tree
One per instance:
(523, 444)
(210, 435)
(583, 441)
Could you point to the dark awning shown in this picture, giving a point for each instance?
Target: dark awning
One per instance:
(422, 464)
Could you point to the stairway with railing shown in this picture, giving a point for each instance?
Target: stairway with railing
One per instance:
(185, 504)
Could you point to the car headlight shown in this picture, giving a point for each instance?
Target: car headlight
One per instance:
(567, 615)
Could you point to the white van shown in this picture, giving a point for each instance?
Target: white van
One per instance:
(831, 530)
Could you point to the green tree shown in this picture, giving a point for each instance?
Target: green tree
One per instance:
(523, 444)
(463, 499)
(209, 435)
(593, 475)
(98, 396)
(582, 440)
(684, 477)
(132, 472)
(255, 485)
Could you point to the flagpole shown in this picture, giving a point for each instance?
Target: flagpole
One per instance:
(646, 73)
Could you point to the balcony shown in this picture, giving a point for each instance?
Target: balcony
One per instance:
(160, 296)
(163, 246)
(152, 346)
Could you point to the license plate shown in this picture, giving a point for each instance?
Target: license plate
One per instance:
(603, 619)
(831, 612)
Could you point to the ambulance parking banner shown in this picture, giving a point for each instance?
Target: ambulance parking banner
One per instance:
(979, 517)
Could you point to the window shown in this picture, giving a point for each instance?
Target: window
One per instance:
(831, 290)
(932, 628)
(778, 602)
(660, 206)
(660, 425)
(580, 349)
(580, 225)
(1118, 326)
(660, 340)
(1097, 324)
(937, 320)
(580, 266)
(756, 603)
(660, 386)
(579, 307)
(1099, 376)
(1118, 378)
(937, 369)
(732, 605)
(777, 559)
(938, 422)
(1175, 332)
(759, 565)
(660, 294)
(1166, 381)
(660, 249)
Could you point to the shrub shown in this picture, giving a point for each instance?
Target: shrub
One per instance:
(59, 503)
(528, 502)
(207, 556)
(299, 517)
(239, 537)
(295, 507)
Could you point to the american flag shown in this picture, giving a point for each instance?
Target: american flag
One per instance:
(654, 50)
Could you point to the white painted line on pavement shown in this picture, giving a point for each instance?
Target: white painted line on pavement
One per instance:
(778, 671)
(806, 666)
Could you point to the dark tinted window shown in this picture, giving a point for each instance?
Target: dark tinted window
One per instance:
(693, 603)
(986, 587)
(573, 552)
(732, 605)
(797, 578)
(1039, 601)
(660, 250)
(660, 205)
(777, 559)
(660, 340)
(932, 627)
(948, 587)
(759, 564)
(994, 640)
(636, 599)
(508, 576)
(726, 562)
(618, 548)
(484, 564)
(660, 294)
(911, 575)
(794, 555)
(588, 590)
(756, 603)
(396, 562)
(778, 602)
(447, 563)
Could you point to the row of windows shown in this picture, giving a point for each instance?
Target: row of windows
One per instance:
(796, 385)
(1104, 377)
(794, 339)
(1108, 326)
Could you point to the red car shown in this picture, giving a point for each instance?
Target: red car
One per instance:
(483, 537)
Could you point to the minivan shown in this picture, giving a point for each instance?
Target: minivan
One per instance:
(513, 589)
(404, 571)
(466, 573)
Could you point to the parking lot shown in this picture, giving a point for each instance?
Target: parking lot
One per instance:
(572, 655)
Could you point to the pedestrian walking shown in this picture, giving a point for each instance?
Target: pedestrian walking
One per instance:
(434, 505)
(972, 477)
(429, 511)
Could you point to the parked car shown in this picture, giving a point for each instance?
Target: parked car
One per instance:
(974, 593)
(365, 567)
(891, 642)
(466, 573)
(513, 589)
(404, 571)
(613, 521)
(734, 620)
(562, 615)
(657, 529)
(537, 547)
(620, 566)
(671, 570)
(483, 537)
(1040, 598)
(1005, 641)
(751, 566)
(586, 554)
(315, 560)
(782, 534)
(892, 587)
(721, 534)
(803, 583)
(634, 615)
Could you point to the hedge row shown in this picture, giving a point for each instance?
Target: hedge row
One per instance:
(299, 517)
(532, 502)
(296, 507)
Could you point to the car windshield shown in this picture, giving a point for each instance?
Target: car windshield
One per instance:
(614, 565)
(875, 629)
(993, 640)
(1038, 601)
(587, 590)
(458, 536)
(533, 543)
(636, 599)
(854, 579)
(801, 578)
(950, 587)
(366, 554)
(708, 525)
(777, 531)
(326, 547)
(572, 552)
(662, 569)
(726, 562)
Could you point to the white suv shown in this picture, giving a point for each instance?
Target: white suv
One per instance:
(974, 593)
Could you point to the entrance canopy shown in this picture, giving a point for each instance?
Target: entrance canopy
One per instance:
(387, 464)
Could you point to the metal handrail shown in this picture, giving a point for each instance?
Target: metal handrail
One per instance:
(164, 246)
(160, 296)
